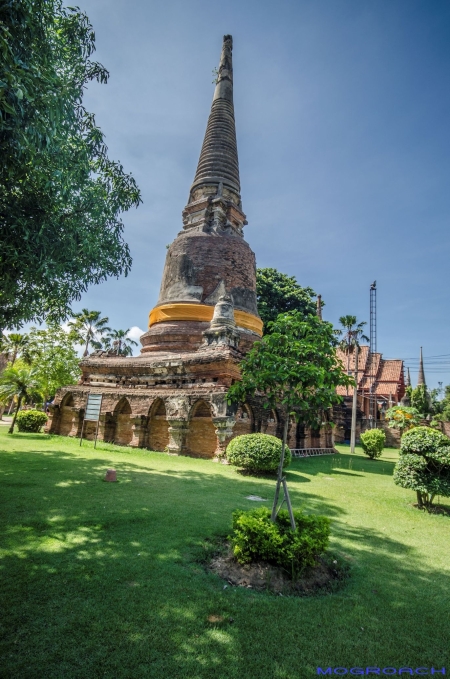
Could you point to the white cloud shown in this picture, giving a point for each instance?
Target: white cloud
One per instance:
(135, 333)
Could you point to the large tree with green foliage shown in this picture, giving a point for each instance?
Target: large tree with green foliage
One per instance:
(60, 195)
(54, 358)
(278, 293)
(294, 367)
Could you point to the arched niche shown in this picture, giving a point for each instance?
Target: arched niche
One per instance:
(123, 430)
(158, 427)
(244, 420)
(201, 439)
(68, 425)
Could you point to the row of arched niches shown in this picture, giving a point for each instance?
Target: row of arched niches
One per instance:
(119, 427)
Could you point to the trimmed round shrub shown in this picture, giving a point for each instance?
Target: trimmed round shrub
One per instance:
(31, 420)
(427, 442)
(424, 464)
(257, 452)
(373, 442)
(256, 538)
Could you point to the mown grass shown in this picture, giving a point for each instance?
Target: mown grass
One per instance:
(98, 579)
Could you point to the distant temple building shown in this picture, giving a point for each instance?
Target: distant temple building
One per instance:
(382, 377)
(173, 396)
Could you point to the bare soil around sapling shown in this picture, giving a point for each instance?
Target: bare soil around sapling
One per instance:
(328, 575)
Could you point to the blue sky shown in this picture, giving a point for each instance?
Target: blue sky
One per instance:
(343, 120)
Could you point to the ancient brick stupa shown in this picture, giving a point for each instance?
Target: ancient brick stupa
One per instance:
(173, 396)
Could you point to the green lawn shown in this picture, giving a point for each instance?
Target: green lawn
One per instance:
(97, 579)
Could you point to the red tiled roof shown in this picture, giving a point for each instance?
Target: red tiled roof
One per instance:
(388, 374)
(391, 371)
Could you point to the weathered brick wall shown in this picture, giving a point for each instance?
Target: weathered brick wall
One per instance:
(68, 425)
(446, 428)
(124, 432)
(393, 436)
(158, 433)
(199, 261)
(89, 430)
(201, 440)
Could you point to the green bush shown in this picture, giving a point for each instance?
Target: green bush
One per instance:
(373, 442)
(255, 537)
(31, 420)
(424, 464)
(257, 452)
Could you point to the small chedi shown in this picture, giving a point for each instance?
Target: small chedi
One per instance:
(173, 396)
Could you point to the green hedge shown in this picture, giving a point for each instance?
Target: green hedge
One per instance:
(31, 420)
(373, 442)
(257, 452)
(256, 538)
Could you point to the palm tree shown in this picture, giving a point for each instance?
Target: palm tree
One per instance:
(352, 333)
(18, 381)
(14, 344)
(88, 328)
(120, 341)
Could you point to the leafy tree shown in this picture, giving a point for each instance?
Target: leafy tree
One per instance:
(424, 464)
(54, 358)
(294, 367)
(60, 195)
(278, 293)
(351, 332)
(18, 381)
(119, 340)
(403, 417)
(88, 328)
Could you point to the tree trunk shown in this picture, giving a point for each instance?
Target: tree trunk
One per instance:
(86, 352)
(348, 364)
(280, 469)
(11, 429)
(354, 404)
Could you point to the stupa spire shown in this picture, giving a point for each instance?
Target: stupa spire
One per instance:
(421, 377)
(319, 306)
(408, 378)
(218, 163)
(209, 260)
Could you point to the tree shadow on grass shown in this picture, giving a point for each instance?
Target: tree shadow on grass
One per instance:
(330, 464)
(96, 582)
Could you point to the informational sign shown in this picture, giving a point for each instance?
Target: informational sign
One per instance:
(93, 407)
(92, 413)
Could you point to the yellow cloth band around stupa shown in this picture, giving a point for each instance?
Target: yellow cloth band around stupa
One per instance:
(201, 312)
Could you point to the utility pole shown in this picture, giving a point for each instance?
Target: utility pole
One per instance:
(373, 350)
(355, 403)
